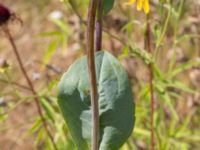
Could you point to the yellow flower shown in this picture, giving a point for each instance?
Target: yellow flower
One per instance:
(141, 4)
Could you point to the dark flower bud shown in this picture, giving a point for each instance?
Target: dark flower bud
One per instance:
(4, 14)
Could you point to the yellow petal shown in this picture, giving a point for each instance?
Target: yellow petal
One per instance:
(139, 5)
(131, 2)
(146, 6)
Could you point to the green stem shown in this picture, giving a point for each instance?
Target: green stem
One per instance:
(173, 60)
(163, 32)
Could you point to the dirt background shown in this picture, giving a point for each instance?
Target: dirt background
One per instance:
(34, 13)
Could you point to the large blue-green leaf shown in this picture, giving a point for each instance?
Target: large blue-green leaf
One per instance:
(107, 6)
(116, 107)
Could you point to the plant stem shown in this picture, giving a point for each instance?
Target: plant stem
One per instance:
(104, 29)
(92, 72)
(21, 65)
(164, 30)
(15, 83)
(99, 26)
(149, 48)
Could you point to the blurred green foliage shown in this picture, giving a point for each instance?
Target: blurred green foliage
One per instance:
(175, 129)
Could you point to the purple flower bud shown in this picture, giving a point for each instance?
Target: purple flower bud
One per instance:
(4, 14)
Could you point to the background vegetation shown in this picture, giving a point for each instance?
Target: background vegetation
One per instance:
(53, 36)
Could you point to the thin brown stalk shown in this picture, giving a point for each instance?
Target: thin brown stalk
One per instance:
(148, 45)
(104, 29)
(99, 26)
(16, 84)
(21, 65)
(92, 72)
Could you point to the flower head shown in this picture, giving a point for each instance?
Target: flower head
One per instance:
(141, 4)
(4, 14)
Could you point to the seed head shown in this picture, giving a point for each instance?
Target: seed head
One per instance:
(5, 14)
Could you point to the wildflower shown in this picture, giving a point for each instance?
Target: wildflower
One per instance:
(4, 14)
(141, 4)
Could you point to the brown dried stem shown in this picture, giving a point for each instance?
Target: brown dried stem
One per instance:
(148, 45)
(21, 65)
(99, 26)
(92, 72)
